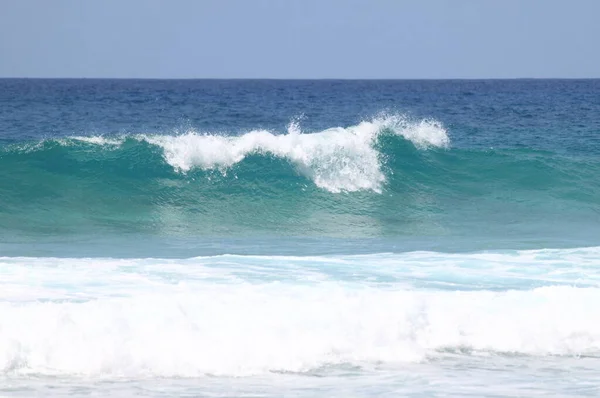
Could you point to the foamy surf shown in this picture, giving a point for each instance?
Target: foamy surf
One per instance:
(244, 329)
(250, 315)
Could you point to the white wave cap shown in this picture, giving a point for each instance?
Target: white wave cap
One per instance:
(337, 159)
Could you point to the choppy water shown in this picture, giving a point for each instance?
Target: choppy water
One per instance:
(299, 238)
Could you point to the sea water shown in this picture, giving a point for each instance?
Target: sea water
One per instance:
(299, 238)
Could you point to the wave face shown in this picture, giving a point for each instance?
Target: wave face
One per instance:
(387, 176)
(245, 315)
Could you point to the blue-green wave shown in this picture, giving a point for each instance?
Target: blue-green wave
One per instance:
(375, 179)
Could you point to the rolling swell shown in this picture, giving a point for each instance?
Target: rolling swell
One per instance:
(386, 176)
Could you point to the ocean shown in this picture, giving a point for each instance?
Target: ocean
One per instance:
(301, 238)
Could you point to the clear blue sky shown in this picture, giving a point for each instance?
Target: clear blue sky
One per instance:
(300, 38)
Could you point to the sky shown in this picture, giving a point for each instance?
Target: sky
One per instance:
(346, 39)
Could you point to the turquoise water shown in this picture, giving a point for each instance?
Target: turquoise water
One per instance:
(299, 238)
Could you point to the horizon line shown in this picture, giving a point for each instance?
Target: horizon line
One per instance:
(297, 78)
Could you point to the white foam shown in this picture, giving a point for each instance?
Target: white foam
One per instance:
(248, 329)
(337, 159)
(99, 140)
(236, 315)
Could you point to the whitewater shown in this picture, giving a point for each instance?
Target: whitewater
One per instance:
(255, 317)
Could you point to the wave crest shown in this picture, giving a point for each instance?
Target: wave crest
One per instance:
(337, 159)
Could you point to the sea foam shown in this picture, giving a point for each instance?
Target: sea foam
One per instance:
(246, 329)
(244, 315)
